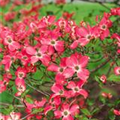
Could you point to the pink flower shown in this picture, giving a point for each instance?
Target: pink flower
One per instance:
(19, 81)
(41, 103)
(4, 82)
(15, 116)
(67, 112)
(54, 103)
(115, 11)
(23, 57)
(2, 117)
(46, 21)
(104, 26)
(76, 88)
(20, 85)
(9, 16)
(68, 15)
(60, 2)
(12, 45)
(85, 36)
(21, 72)
(12, 116)
(76, 63)
(103, 78)
(116, 112)
(117, 70)
(8, 60)
(118, 51)
(62, 24)
(106, 95)
(2, 86)
(3, 3)
(117, 37)
(59, 70)
(38, 54)
(52, 40)
(58, 90)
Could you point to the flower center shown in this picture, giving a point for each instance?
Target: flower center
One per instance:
(118, 71)
(61, 92)
(38, 54)
(21, 75)
(76, 89)
(25, 57)
(77, 68)
(61, 69)
(89, 37)
(52, 42)
(65, 113)
(9, 40)
(104, 27)
(21, 88)
(12, 58)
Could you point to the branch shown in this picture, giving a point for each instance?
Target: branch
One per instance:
(101, 65)
(7, 104)
(37, 90)
(25, 116)
(93, 61)
(102, 4)
(94, 1)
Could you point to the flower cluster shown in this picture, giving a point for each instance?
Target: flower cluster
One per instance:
(12, 116)
(36, 43)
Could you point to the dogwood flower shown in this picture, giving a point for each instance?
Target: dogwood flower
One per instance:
(103, 78)
(76, 63)
(67, 112)
(76, 88)
(116, 112)
(117, 70)
(39, 54)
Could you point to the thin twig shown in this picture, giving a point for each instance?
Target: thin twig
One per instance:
(103, 5)
(95, 1)
(101, 65)
(7, 104)
(93, 61)
(37, 90)
(25, 116)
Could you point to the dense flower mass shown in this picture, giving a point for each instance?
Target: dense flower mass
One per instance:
(55, 48)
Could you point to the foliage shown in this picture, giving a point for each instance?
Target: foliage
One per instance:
(58, 64)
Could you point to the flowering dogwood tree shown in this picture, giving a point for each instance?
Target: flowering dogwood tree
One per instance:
(60, 52)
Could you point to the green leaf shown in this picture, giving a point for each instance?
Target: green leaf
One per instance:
(95, 110)
(114, 78)
(29, 100)
(37, 110)
(111, 115)
(117, 102)
(50, 115)
(90, 102)
(81, 117)
(37, 75)
(85, 118)
(94, 119)
(85, 111)
(8, 110)
(97, 79)
(24, 93)
(102, 99)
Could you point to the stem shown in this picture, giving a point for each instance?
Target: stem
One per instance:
(93, 61)
(37, 90)
(101, 65)
(7, 104)
(25, 116)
